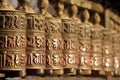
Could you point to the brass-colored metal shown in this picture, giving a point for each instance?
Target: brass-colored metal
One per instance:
(108, 58)
(84, 44)
(116, 50)
(70, 37)
(12, 39)
(54, 46)
(36, 41)
(96, 44)
(54, 41)
(70, 46)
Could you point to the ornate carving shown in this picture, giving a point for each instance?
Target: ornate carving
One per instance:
(96, 43)
(70, 41)
(84, 47)
(70, 44)
(36, 60)
(12, 41)
(85, 17)
(55, 60)
(85, 62)
(37, 42)
(116, 51)
(84, 35)
(97, 61)
(35, 22)
(15, 20)
(54, 44)
(70, 27)
(53, 26)
(108, 63)
(12, 60)
(108, 60)
(71, 60)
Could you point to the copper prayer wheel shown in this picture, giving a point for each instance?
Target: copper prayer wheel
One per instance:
(108, 60)
(96, 48)
(54, 46)
(84, 50)
(96, 45)
(36, 43)
(70, 52)
(13, 41)
(116, 50)
(84, 45)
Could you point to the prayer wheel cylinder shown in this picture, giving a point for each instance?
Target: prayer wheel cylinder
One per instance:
(70, 51)
(36, 43)
(54, 46)
(13, 41)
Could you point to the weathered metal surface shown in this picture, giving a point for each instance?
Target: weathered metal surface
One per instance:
(54, 46)
(13, 41)
(54, 41)
(116, 50)
(96, 43)
(84, 44)
(36, 42)
(70, 45)
(108, 60)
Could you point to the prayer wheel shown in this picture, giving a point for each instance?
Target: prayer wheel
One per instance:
(108, 60)
(36, 41)
(12, 39)
(96, 44)
(54, 46)
(84, 45)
